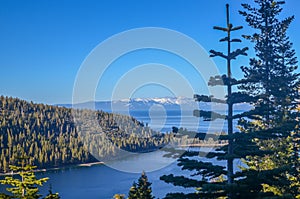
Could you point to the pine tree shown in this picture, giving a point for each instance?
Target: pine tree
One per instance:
(25, 187)
(140, 190)
(5, 196)
(144, 190)
(215, 181)
(57, 142)
(272, 80)
(119, 196)
(52, 195)
(133, 191)
(268, 137)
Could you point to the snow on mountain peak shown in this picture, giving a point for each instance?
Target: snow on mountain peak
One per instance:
(160, 100)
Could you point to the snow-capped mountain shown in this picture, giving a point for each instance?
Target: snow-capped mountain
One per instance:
(167, 103)
(164, 100)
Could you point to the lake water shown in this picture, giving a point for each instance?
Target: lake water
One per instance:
(164, 120)
(102, 182)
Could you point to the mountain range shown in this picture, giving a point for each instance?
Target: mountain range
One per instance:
(167, 103)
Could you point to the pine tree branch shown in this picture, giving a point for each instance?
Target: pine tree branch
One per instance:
(182, 195)
(252, 114)
(219, 54)
(208, 115)
(238, 52)
(276, 132)
(205, 98)
(224, 39)
(220, 28)
(223, 80)
(172, 152)
(181, 181)
(236, 28)
(243, 81)
(217, 80)
(205, 169)
(239, 97)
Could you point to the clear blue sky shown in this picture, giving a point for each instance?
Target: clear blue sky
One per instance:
(43, 43)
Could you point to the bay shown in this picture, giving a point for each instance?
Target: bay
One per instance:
(102, 181)
(163, 121)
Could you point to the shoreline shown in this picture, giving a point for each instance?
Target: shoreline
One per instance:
(208, 145)
(58, 168)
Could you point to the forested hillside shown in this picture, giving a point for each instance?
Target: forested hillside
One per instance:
(48, 134)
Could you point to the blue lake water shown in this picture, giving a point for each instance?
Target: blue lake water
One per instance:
(102, 181)
(164, 121)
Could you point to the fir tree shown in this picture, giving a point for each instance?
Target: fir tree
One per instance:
(5, 196)
(119, 196)
(144, 190)
(25, 187)
(268, 139)
(52, 195)
(140, 190)
(213, 184)
(57, 142)
(272, 80)
(133, 191)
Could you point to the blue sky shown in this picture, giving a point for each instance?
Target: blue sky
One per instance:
(43, 43)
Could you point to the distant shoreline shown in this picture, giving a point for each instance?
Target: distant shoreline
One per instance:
(204, 145)
(57, 168)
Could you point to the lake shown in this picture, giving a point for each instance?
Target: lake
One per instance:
(102, 181)
(164, 120)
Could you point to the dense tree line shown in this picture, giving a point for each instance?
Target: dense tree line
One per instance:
(45, 133)
(51, 138)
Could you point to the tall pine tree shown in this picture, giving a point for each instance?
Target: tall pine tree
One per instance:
(272, 80)
(268, 136)
(140, 190)
(25, 184)
(144, 189)
(216, 181)
(133, 191)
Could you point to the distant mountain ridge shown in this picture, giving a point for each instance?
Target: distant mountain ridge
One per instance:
(168, 103)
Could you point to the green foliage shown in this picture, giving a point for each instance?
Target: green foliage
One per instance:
(50, 136)
(52, 195)
(274, 82)
(25, 187)
(211, 182)
(268, 140)
(133, 191)
(119, 196)
(142, 189)
(4, 196)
